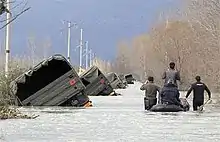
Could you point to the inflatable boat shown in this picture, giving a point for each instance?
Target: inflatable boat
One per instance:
(167, 107)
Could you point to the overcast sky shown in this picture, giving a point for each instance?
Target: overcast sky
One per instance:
(105, 23)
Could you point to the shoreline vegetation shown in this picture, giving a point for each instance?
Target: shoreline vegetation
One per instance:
(8, 110)
(37, 50)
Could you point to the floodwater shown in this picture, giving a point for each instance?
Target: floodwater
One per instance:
(114, 119)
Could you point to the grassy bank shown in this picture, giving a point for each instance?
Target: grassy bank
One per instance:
(15, 69)
(7, 101)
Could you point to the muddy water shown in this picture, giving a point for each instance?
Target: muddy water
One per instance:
(118, 118)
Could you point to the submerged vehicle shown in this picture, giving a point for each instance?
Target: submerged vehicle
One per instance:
(53, 82)
(167, 107)
(129, 78)
(96, 83)
(122, 77)
(115, 81)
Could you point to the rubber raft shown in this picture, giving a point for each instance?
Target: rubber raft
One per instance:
(171, 108)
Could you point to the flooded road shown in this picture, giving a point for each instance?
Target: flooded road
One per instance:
(114, 119)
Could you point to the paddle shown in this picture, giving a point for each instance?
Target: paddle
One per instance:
(201, 107)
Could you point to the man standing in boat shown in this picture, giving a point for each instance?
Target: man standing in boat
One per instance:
(171, 74)
(151, 91)
(198, 89)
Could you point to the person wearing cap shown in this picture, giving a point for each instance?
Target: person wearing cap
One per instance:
(151, 90)
(172, 74)
(198, 89)
(170, 94)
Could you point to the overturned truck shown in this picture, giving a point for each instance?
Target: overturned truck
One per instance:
(129, 78)
(122, 78)
(115, 81)
(53, 82)
(96, 83)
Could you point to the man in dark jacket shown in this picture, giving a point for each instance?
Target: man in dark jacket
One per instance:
(170, 94)
(150, 92)
(171, 74)
(198, 89)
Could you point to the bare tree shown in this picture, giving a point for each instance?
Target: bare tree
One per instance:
(188, 36)
(122, 61)
(45, 47)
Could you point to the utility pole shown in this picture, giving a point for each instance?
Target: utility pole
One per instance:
(80, 50)
(31, 44)
(87, 45)
(68, 41)
(70, 25)
(166, 58)
(93, 59)
(7, 39)
(90, 57)
(145, 72)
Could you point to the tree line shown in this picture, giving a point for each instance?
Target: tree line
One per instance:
(190, 37)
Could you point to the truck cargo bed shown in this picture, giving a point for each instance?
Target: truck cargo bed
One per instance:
(50, 83)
